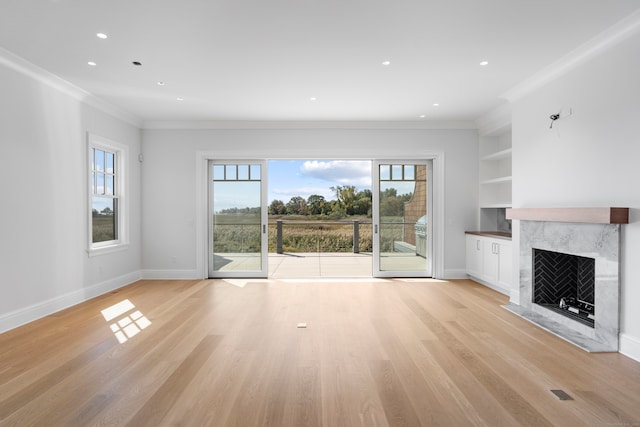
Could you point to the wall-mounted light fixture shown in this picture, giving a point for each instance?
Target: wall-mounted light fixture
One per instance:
(563, 113)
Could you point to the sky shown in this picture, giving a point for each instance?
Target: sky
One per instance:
(289, 178)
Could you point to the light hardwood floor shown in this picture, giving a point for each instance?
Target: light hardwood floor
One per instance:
(374, 353)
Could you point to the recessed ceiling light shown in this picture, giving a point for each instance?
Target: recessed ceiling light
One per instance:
(436, 105)
(93, 64)
(422, 116)
(179, 99)
(483, 63)
(101, 36)
(160, 83)
(137, 63)
(386, 62)
(313, 98)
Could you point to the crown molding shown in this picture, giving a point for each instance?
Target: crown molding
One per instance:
(28, 69)
(311, 124)
(495, 121)
(604, 41)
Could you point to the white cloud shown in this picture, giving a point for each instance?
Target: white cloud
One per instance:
(286, 194)
(345, 172)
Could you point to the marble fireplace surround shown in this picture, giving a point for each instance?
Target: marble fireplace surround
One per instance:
(586, 232)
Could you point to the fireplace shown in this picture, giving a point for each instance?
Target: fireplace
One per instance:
(565, 283)
(570, 273)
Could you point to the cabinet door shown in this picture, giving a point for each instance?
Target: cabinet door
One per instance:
(504, 266)
(490, 261)
(474, 256)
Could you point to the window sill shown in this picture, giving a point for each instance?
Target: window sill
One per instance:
(103, 250)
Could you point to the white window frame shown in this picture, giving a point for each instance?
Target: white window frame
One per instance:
(121, 163)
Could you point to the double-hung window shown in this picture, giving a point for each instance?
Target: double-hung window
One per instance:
(107, 214)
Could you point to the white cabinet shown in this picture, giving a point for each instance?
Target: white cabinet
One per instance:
(489, 261)
(505, 266)
(474, 255)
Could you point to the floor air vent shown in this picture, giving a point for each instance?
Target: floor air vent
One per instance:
(561, 394)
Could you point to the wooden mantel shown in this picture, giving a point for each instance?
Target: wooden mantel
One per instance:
(590, 215)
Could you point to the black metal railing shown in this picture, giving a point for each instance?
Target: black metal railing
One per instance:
(323, 236)
(312, 236)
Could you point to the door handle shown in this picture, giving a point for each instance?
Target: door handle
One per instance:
(375, 229)
(264, 229)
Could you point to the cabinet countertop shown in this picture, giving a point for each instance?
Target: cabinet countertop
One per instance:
(496, 234)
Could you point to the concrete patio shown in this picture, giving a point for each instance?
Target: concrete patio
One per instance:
(314, 264)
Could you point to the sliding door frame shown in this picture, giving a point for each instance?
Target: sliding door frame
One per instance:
(201, 185)
(263, 271)
(376, 224)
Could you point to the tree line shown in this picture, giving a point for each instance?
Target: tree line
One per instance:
(106, 212)
(349, 201)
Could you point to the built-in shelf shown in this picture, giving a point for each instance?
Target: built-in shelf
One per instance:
(496, 180)
(606, 215)
(495, 172)
(503, 154)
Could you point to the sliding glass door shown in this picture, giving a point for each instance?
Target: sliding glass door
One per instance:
(237, 219)
(402, 237)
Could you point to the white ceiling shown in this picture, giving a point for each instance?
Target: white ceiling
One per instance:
(265, 59)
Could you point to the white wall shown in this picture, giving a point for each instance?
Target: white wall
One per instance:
(169, 180)
(43, 219)
(591, 158)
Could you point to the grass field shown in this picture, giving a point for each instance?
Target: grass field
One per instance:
(241, 234)
(103, 228)
(306, 237)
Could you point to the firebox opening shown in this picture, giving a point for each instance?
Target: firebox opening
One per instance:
(565, 284)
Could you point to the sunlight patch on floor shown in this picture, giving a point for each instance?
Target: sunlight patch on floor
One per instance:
(241, 283)
(128, 325)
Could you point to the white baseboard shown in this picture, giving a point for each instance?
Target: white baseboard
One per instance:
(493, 286)
(33, 312)
(630, 346)
(171, 275)
(453, 273)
